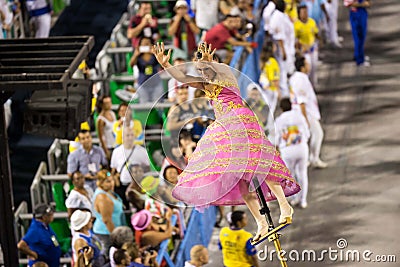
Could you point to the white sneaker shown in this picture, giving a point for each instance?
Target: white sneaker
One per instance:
(366, 58)
(340, 39)
(366, 64)
(319, 164)
(303, 205)
(294, 202)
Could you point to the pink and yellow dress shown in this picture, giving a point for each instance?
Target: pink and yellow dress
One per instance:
(233, 148)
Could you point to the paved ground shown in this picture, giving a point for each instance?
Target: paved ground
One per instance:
(357, 197)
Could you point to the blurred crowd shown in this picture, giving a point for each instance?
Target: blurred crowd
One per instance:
(119, 208)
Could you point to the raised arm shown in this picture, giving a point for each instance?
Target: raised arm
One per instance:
(159, 52)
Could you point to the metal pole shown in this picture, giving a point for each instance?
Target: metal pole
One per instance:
(7, 231)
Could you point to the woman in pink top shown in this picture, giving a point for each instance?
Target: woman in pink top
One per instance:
(232, 151)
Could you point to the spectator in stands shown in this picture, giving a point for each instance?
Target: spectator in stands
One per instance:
(303, 97)
(134, 193)
(358, 21)
(292, 136)
(306, 32)
(105, 123)
(174, 156)
(40, 17)
(80, 196)
(83, 238)
(150, 84)
(257, 104)
(123, 156)
(119, 236)
(170, 176)
(186, 143)
(108, 209)
(6, 17)
(227, 7)
(125, 119)
(88, 159)
(205, 114)
(198, 256)
(183, 29)
(245, 11)
(182, 114)
(173, 84)
(158, 209)
(143, 25)
(121, 258)
(40, 242)
(148, 232)
(222, 37)
(206, 14)
(235, 242)
(144, 260)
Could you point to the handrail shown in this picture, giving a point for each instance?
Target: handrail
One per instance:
(36, 194)
(163, 251)
(56, 177)
(22, 208)
(57, 215)
(50, 158)
(146, 106)
(198, 231)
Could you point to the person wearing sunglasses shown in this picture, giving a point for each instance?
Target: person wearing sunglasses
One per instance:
(233, 150)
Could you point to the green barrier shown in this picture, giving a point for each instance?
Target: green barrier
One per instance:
(60, 226)
(58, 6)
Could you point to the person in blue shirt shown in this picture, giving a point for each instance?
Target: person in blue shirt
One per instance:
(40, 242)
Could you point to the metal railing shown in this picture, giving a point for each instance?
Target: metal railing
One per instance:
(41, 185)
(57, 156)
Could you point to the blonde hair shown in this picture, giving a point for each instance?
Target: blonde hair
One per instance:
(196, 252)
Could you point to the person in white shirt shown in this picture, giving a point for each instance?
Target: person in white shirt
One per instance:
(124, 155)
(303, 97)
(282, 32)
(198, 256)
(40, 16)
(6, 17)
(292, 137)
(206, 14)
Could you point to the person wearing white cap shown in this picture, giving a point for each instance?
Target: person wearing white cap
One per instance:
(183, 29)
(84, 241)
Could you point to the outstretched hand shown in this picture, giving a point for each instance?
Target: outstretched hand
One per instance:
(158, 51)
(207, 51)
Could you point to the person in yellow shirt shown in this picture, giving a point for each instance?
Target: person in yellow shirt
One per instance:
(269, 81)
(237, 251)
(291, 9)
(306, 33)
(125, 120)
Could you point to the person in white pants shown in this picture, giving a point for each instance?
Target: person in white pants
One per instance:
(332, 7)
(40, 17)
(292, 136)
(6, 17)
(303, 97)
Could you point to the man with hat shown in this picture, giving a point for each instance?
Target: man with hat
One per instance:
(40, 242)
